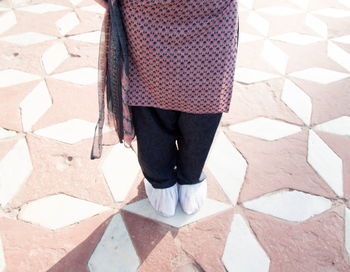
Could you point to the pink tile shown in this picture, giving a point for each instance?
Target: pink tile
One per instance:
(313, 245)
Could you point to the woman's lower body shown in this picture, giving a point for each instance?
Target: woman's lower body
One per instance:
(172, 148)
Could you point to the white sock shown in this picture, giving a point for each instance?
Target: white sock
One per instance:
(192, 196)
(164, 201)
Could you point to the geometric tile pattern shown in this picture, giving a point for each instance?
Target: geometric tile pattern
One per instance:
(279, 159)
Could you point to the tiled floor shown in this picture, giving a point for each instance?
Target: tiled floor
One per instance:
(278, 171)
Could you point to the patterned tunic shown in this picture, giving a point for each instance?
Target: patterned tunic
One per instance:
(182, 53)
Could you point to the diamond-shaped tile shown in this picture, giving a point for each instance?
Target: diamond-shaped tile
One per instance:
(332, 12)
(247, 3)
(303, 4)
(248, 76)
(246, 37)
(91, 37)
(94, 8)
(82, 76)
(339, 55)
(120, 169)
(27, 38)
(43, 8)
(67, 23)
(316, 25)
(259, 23)
(11, 77)
(71, 131)
(7, 20)
(57, 211)
(296, 38)
(279, 11)
(289, 205)
(210, 207)
(4, 133)
(339, 126)
(115, 251)
(54, 56)
(325, 162)
(342, 39)
(34, 105)
(265, 128)
(242, 251)
(320, 75)
(15, 167)
(275, 56)
(227, 166)
(297, 100)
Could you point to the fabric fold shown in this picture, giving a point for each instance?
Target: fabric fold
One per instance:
(113, 81)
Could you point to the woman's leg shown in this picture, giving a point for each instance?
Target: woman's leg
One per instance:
(155, 131)
(196, 134)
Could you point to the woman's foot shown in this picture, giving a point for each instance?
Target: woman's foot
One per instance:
(192, 196)
(164, 201)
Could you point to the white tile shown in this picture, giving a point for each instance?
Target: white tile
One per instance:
(11, 77)
(242, 251)
(296, 38)
(345, 3)
(332, 12)
(247, 3)
(54, 56)
(43, 8)
(2, 257)
(91, 37)
(275, 56)
(325, 162)
(339, 55)
(265, 128)
(347, 230)
(339, 126)
(7, 20)
(120, 169)
(210, 207)
(71, 131)
(15, 168)
(94, 8)
(316, 25)
(67, 23)
(227, 165)
(27, 38)
(82, 76)
(259, 23)
(75, 2)
(57, 211)
(246, 37)
(34, 105)
(297, 100)
(320, 75)
(4, 133)
(279, 11)
(303, 4)
(115, 250)
(289, 205)
(248, 76)
(342, 39)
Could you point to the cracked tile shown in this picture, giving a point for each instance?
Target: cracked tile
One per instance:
(115, 251)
